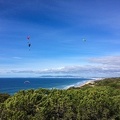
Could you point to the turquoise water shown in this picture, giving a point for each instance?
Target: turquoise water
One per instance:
(13, 85)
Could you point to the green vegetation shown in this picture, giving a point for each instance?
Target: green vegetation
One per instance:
(3, 97)
(98, 102)
(112, 82)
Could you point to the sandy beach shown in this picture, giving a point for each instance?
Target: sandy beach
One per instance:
(91, 82)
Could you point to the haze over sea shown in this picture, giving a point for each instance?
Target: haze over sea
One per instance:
(13, 85)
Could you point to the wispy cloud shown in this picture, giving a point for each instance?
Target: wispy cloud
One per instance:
(107, 60)
(104, 66)
(17, 58)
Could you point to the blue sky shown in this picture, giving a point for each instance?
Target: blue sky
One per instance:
(57, 29)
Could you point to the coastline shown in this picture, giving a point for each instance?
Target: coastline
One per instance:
(13, 85)
(91, 82)
(87, 82)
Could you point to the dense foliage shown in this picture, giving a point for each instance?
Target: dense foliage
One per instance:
(112, 82)
(101, 102)
(3, 97)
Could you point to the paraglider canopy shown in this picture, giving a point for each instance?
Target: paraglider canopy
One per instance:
(28, 37)
(84, 40)
(26, 82)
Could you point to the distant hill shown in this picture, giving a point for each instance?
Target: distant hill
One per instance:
(57, 76)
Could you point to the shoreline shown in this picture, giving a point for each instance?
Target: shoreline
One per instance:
(89, 81)
(92, 81)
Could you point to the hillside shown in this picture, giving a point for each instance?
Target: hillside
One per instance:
(97, 101)
(111, 82)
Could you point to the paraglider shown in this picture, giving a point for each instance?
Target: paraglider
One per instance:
(29, 44)
(27, 82)
(84, 40)
(28, 37)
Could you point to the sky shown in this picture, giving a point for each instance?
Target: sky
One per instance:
(57, 29)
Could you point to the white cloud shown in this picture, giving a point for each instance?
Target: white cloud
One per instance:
(108, 60)
(17, 58)
(96, 67)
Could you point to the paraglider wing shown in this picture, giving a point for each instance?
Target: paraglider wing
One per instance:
(84, 40)
(27, 82)
(28, 37)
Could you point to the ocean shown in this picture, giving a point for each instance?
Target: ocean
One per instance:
(13, 85)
